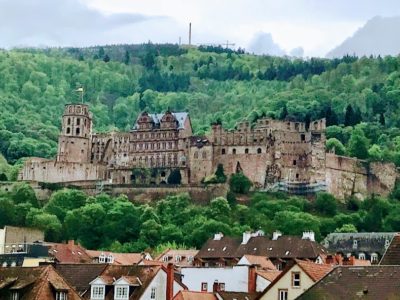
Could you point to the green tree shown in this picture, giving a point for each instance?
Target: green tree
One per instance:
(335, 145)
(326, 203)
(24, 193)
(358, 144)
(239, 183)
(347, 228)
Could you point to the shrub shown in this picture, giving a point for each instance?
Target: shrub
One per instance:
(220, 174)
(326, 204)
(239, 183)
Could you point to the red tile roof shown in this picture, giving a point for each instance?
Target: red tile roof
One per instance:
(119, 258)
(269, 275)
(261, 261)
(43, 282)
(315, 271)
(69, 253)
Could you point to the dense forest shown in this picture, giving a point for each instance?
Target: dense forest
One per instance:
(360, 97)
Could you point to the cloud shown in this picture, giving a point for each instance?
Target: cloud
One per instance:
(61, 23)
(262, 43)
(297, 52)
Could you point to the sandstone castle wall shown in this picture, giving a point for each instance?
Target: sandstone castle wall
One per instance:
(274, 154)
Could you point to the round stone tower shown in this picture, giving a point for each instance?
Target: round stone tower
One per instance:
(74, 140)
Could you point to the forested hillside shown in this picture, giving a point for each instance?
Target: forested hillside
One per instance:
(211, 83)
(360, 97)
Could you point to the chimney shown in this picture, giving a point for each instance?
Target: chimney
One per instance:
(170, 281)
(276, 235)
(246, 237)
(71, 243)
(309, 235)
(252, 279)
(218, 236)
(329, 260)
(215, 286)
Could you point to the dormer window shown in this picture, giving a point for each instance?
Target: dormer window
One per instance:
(178, 258)
(110, 259)
(61, 295)
(387, 243)
(97, 292)
(121, 292)
(361, 256)
(374, 258)
(102, 258)
(190, 258)
(14, 295)
(165, 258)
(355, 244)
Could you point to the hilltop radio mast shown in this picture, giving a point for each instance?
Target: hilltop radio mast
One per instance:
(190, 33)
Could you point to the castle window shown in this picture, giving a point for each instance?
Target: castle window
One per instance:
(259, 150)
(223, 151)
(68, 130)
(246, 150)
(233, 151)
(78, 121)
(294, 162)
(303, 137)
(78, 131)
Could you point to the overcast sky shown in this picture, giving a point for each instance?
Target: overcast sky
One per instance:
(285, 26)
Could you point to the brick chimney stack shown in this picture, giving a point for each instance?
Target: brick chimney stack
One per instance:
(170, 281)
(252, 279)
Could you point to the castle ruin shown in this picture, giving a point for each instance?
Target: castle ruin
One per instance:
(274, 155)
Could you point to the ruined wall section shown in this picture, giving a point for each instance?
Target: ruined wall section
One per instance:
(40, 170)
(347, 177)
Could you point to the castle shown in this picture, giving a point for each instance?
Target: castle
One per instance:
(273, 154)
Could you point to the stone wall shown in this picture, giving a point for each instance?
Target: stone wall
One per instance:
(41, 170)
(347, 176)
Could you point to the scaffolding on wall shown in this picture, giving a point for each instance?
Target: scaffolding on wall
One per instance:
(298, 188)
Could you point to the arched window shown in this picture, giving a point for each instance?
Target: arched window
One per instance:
(196, 155)
(223, 151)
(294, 162)
(361, 256)
(69, 121)
(246, 150)
(374, 258)
(178, 258)
(204, 155)
(233, 151)
(259, 150)
(68, 130)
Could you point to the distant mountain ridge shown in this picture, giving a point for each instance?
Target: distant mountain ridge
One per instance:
(379, 36)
